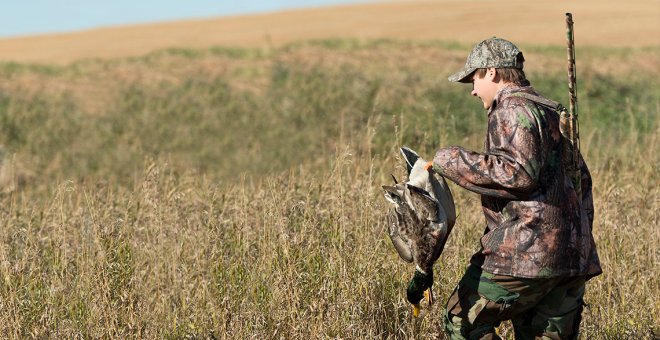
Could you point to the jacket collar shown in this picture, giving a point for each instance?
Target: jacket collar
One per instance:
(505, 92)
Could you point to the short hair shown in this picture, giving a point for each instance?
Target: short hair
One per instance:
(509, 75)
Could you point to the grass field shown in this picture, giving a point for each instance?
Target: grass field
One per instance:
(235, 193)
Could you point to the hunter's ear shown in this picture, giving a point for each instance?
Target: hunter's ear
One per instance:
(491, 74)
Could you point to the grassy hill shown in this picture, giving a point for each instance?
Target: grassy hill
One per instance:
(235, 192)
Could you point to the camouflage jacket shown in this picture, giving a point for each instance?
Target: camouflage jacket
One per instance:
(535, 226)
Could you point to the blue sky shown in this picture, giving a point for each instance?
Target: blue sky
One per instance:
(27, 17)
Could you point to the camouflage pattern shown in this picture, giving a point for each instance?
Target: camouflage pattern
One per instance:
(493, 52)
(537, 308)
(536, 227)
(568, 122)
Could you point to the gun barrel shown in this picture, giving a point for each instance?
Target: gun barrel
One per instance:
(573, 130)
(570, 49)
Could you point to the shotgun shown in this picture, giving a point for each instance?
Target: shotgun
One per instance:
(569, 120)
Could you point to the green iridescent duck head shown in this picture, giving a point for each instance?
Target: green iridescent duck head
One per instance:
(419, 287)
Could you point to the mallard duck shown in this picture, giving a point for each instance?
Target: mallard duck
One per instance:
(419, 222)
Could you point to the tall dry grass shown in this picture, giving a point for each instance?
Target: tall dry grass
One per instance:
(236, 193)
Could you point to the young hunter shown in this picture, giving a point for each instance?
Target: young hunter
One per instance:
(537, 250)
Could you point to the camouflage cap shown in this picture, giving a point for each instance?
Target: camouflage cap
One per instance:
(493, 52)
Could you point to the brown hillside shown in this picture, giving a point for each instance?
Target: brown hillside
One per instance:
(633, 23)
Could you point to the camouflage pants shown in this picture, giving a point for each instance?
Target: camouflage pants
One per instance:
(538, 308)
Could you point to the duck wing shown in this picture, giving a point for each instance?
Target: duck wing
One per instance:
(431, 230)
(422, 215)
(399, 221)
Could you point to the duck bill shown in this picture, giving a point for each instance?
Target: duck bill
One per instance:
(428, 295)
(416, 310)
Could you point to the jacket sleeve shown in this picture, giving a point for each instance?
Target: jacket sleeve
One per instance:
(510, 166)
